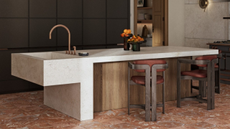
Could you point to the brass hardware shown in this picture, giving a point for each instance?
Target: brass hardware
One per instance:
(203, 4)
(69, 35)
(74, 49)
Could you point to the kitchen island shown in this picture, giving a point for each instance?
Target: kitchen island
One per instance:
(68, 80)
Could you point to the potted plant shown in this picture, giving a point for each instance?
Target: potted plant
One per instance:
(136, 42)
(126, 35)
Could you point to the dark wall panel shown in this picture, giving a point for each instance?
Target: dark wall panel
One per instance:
(69, 8)
(39, 33)
(43, 8)
(114, 28)
(75, 27)
(94, 8)
(5, 64)
(13, 8)
(117, 9)
(11, 86)
(94, 31)
(13, 33)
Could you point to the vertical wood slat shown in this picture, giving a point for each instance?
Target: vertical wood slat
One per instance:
(110, 85)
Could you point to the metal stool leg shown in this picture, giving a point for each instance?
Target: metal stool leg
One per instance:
(178, 84)
(209, 95)
(128, 91)
(163, 94)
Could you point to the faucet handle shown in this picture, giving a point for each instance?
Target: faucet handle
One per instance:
(74, 48)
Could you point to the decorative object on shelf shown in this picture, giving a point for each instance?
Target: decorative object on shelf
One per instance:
(145, 31)
(126, 35)
(141, 16)
(140, 3)
(136, 41)
(203, 4)
(148, 16)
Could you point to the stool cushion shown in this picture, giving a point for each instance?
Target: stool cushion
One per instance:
(211, 57)
(141, 79)
(195, 73)
(150, 63)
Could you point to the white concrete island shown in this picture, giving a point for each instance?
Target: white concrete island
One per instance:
(68, 80)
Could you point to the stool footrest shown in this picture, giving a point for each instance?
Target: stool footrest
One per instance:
(195, 98)
(143, 106)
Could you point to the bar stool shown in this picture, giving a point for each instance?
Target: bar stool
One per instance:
(201, 75)
(151, 79)
(217, 72)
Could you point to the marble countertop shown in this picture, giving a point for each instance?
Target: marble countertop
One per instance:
(118, 54)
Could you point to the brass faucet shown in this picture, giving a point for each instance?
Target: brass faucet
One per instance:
(69, 35)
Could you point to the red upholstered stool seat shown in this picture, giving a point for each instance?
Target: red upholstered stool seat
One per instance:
(141, 79)
(150, 63)
(195, 73)
(211, 57)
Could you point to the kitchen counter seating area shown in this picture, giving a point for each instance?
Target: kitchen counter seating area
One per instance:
(68, 80)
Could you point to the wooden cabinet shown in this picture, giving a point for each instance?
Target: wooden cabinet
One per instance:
(158, 24)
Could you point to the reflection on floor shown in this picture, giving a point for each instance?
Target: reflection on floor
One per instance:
(26, 111)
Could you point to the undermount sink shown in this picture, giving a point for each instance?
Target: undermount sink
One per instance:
(49, 55)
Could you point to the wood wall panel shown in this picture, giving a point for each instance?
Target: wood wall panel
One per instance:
(110, 85)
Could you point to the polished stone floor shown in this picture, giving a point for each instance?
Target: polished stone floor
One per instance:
(26, 111)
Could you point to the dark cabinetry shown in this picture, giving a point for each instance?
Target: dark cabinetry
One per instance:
(25, 26)
(76, 32)
(115, 27)
(13, 8)
(39, 33)
(94, 31)
(118, 8)
(8, 83)
(13, 33)
(43, 8)
(69, 8)
(94, 8)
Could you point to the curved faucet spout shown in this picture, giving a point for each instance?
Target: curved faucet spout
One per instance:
(69, 35)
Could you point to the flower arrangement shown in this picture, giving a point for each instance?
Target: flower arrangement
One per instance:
(135, 39)
(127, 33)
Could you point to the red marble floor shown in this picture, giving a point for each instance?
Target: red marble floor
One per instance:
(26, 111)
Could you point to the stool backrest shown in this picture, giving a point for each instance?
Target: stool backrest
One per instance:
(150, 63)
(210, 57)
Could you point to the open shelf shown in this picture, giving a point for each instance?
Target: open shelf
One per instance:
(226, 17)
(144, 21)
(144, 8)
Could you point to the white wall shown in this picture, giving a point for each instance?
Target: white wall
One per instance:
(205, 27)
(132, 15)
(176, 23)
